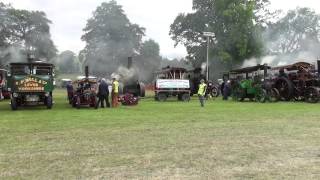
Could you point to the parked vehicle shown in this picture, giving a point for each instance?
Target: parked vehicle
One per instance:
(252, 83)
(172, 82)
(31, 83)
(299, 81)
(85, 93)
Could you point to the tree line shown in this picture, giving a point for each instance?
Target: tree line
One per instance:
(243, 29)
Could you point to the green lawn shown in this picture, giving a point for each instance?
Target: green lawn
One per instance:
(172, 140)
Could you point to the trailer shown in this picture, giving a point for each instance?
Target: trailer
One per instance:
(172, 82)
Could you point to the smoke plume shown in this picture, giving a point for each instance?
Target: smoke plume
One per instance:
(126, 75)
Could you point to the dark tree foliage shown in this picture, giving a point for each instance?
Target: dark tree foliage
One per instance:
(67, 62)
(298, 31)
(149, 60)
(235, 23)
(110, 38)
(23, 32)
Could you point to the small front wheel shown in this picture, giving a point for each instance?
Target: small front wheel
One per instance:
(185, 97)
(261, 96)
(14, 105)
(49, 102)
(162, 97)
(274, 95)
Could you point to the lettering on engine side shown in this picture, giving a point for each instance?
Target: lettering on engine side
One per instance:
(31, 84)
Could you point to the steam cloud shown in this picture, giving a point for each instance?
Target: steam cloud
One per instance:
(126, 75)
(12, 54)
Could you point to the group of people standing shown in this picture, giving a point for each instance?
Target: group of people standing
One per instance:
(103, 93)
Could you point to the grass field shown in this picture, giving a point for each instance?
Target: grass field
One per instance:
(172, 140)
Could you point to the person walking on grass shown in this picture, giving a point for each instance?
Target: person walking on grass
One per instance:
(103, 94)
(202, 92)
(115, 92)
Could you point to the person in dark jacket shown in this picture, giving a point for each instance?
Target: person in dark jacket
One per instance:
(226, 90)
(103, 94)
(70, 92)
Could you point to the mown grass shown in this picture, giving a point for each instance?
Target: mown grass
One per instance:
(171, 140)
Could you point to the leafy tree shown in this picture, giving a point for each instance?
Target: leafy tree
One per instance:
(175, 63)
(68, 62)
(26, 32)
(149, 60)
(298, 31)
(235, 23)
(110, 38)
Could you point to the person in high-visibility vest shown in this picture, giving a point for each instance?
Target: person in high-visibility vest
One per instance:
(115, 92)
(202, 92)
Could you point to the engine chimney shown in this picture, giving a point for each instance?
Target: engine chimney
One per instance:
(129, 62)
(318, 63)
(265, 70)
(87, 71)
(30, 58)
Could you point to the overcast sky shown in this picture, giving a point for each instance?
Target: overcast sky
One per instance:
(69, 18)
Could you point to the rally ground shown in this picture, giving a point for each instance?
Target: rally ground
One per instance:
(171, 140)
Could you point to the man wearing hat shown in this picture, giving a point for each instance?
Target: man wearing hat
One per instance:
(202, 92)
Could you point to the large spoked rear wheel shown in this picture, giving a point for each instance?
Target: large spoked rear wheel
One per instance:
(285, 88)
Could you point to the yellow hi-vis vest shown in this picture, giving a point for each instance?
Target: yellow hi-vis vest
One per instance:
(115, 87)
(202, 89)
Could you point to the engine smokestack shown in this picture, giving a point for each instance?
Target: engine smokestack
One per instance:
(129, 62)
(30, 58)
(265, 70)
(318, 64)
(87, 72)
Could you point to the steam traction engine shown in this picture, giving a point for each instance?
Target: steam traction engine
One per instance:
(298, 81)
(31, 84)
(132, 88)
(85, 93)
(252, 83)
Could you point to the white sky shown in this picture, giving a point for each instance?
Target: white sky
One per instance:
(69, 18)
